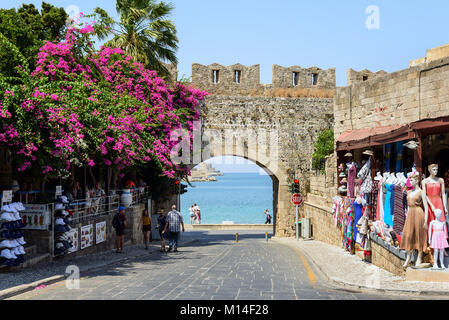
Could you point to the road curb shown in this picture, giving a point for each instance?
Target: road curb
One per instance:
(23, 288)
(14, 291)
(350, 285)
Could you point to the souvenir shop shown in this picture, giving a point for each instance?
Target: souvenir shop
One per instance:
(373, 170)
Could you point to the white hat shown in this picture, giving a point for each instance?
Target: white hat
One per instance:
(21, 249)
(59, 206)
(21, 241)
(6, 253)
(368, 152)
(64, 199)
(7, 216)
(6, 244)
(60, 221)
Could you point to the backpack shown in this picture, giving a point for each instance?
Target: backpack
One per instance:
(116, 221)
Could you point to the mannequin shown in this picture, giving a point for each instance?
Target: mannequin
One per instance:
(437, 239)
(433, 188)
(414, 236)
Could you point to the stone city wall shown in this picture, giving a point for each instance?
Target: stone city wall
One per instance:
(400, 97)
(296, 123)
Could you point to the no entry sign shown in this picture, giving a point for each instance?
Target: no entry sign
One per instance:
(296, 199)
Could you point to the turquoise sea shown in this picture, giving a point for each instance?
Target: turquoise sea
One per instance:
(238, 197)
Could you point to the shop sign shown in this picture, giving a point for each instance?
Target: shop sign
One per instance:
(36, 216)
(73, 236)
(7, 196)
(58, 191)
(100, 232)
(87, 233)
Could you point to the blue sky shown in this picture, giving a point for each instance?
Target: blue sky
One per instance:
(294, 32)
(324, 33)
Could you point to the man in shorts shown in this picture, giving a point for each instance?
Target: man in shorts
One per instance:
(173, 225)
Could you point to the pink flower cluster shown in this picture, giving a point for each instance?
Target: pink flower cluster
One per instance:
(98, 107)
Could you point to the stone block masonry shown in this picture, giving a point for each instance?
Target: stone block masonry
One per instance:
(400, 97)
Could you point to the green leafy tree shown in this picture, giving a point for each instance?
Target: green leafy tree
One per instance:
(143, 32)
(324, 146)
(28, 29)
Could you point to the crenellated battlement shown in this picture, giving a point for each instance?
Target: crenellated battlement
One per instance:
(364, 75)
(295, 76)
(238, 79)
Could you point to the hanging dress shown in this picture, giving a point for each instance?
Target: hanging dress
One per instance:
(388, 218)
(358, 213)
(380, 203)
(399, 212)
(414, 235)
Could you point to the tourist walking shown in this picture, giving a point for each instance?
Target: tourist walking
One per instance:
(173, 225)
(197, 211)
(161, 221)
(268, 217)
(146, 227)
(192, 214)
(119, 224)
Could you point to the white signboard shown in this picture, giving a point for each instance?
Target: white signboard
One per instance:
(100, 234)
(86, 237)
(36, 216)
(7, 196)
(73, 235)
(58, 190)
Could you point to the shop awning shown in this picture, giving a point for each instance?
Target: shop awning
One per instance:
(362, 138)
(431, 126)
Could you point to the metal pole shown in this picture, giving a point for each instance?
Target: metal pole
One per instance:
(297, 224)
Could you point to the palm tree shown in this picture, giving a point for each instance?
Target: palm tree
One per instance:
(143, 32)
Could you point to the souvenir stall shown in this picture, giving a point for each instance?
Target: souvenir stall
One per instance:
(374, 167)
(12, 252)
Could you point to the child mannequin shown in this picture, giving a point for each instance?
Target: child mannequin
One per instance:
(437, 239)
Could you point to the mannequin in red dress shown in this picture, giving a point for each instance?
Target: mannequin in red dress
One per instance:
(434, 188)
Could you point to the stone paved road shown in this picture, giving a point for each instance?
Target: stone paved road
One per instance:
(213, 267)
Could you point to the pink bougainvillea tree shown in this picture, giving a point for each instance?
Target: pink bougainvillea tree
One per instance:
(94, 107)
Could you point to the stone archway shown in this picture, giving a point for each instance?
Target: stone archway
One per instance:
(260, 147)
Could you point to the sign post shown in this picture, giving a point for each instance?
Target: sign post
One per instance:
(297, 200)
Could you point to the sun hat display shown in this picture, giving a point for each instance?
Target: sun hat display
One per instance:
(368, 152)
(349, 154)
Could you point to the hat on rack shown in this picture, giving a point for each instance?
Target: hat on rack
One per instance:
(349, 154)
(368, 152)
(343, 180)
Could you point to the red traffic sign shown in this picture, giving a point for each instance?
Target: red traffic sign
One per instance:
(296, 199)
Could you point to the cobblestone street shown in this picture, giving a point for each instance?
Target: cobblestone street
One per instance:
(212, 267)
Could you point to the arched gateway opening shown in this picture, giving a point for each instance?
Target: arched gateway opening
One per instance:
(232, 189)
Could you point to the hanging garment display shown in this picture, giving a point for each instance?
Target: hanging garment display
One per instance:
(388, 218)
(357, 213)
(374, 200)
(365, 176)
(399, 210)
